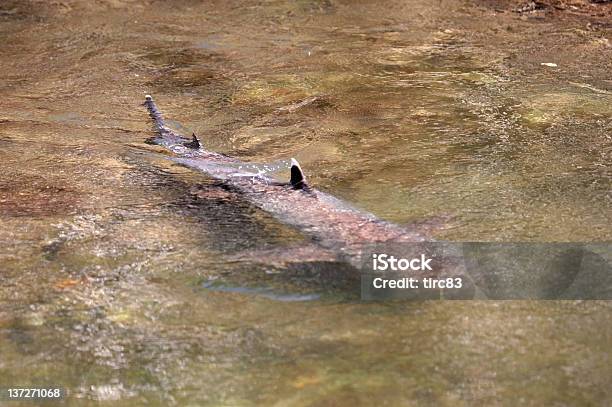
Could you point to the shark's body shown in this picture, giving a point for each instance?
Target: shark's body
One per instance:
(331, 222)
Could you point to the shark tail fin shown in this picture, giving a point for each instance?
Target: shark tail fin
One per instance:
(298, 180)
(154, 112)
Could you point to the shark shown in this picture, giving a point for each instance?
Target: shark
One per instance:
(342, 234)
(332, 223)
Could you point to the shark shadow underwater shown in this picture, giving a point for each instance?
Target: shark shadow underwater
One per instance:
(337, 228)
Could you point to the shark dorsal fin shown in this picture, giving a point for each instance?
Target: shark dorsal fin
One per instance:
(298, 180)
(194, 143)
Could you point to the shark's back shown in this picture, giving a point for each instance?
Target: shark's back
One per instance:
(332, 222)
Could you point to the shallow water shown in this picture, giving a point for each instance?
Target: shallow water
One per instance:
(409, 111)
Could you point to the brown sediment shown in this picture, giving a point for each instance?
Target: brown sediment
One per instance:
(591, 9)
(558, 40)
(33, 196)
